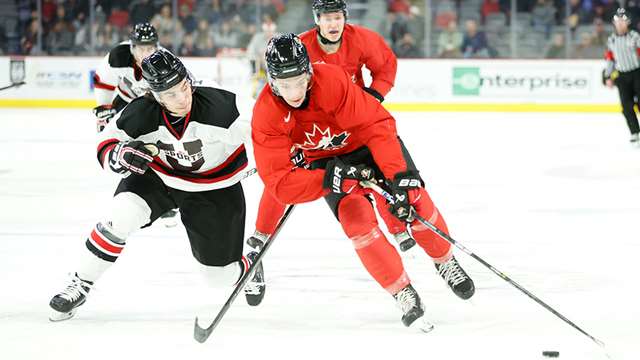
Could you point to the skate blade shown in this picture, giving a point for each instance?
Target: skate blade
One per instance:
(422, 325)
(56, 316)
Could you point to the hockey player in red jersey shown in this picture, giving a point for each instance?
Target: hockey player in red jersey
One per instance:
(346, 136)
(180, 146)
(351, 47)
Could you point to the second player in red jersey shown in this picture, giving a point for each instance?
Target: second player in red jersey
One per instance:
(345, 136)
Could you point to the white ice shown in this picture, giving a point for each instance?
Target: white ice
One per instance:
(552, 200)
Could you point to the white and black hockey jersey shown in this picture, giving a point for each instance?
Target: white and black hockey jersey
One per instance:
(118, 74)
(208, 154)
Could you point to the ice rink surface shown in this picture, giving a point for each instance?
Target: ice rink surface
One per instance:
(552, 200)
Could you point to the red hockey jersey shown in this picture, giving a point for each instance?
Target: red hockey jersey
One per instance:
(360, 46)
(339, 118)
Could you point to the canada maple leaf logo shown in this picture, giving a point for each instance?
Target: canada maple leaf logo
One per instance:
(323, 139)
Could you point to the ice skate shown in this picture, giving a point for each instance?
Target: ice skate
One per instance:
(457, 279)
(412, 308)
(65, 304)
(254, 289)
(257, 240)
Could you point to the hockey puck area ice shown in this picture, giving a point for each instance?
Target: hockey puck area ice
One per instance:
(551, 354)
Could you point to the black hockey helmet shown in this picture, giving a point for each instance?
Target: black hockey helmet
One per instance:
(163, 70)
(621, 15)
(286, 57)
(327, 6)
(144, 34)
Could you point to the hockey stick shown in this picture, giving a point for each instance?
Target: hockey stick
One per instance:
(200, 334)
(375, 187)
(12, 85)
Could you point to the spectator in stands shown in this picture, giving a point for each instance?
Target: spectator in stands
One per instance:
(61, 38)
(577, 15)
(48, 14)
(188, 46)
(600, 34)
(119, 18)
(141, 11)
(450, 42)
(163, 22)
(106, 39)
(557, 49)
(82, 38)
(30, 38)
(226, 37)
(474, 43)
(186, 18)
(257, 47)
(189, 3)
(212, 11)
(407, 48)
(399, 6)
(246, 36)
(415, 24)
(585, 49)
(203, 40)
(489, 7)
(543, 17)
(398, 27)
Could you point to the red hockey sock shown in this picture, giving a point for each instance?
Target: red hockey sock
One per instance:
(269, 213)
(435, 246)
(380, 258)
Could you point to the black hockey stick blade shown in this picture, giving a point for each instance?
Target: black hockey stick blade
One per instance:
(201, 334)
(12, 85)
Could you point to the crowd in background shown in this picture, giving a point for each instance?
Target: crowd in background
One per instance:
(460, 28)
(203, 27)
(482, 28)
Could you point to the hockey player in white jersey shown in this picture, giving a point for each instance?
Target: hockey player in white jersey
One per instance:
(182, 146)
(118, 79)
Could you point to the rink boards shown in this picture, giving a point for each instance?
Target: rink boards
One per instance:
(421, 85)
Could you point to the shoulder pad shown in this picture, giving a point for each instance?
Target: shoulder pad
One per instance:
(120, 56)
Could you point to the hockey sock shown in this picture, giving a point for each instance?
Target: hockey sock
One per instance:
(269, 213)
(377, 255)
(436, 247)
(104, 248)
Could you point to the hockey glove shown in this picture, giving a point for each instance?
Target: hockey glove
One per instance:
(298, 160)
(405, 189)
(342, 178)
(374, 93)
(130, 157)
(103, 114)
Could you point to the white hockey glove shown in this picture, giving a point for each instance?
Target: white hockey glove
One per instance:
(103, 114)
(131, 157)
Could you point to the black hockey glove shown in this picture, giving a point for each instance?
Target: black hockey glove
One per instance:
(374, 93)
(342, 178)
(130, 157)
(103, 114)
(405, 189)
(298, 160)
